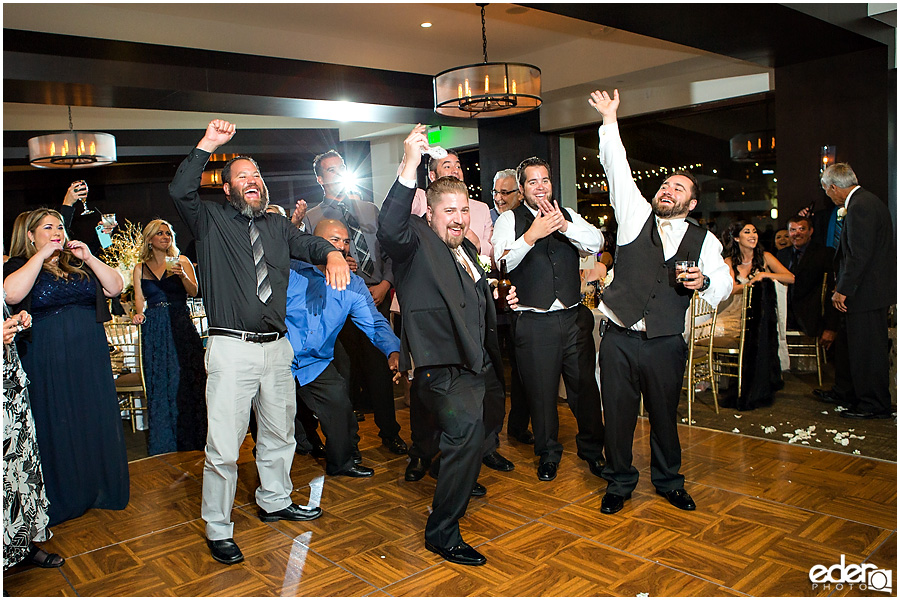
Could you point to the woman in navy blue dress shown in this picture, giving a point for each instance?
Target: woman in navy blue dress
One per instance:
(73, 397)
(173, 354)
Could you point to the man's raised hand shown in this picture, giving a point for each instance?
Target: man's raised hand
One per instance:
(412, 151)
(605, 105)
(218, 132)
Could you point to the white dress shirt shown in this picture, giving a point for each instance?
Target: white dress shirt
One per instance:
(586, 238)
(632, 211)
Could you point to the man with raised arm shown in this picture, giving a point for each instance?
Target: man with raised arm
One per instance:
(450, 327)
(244, 256)
(642, 350)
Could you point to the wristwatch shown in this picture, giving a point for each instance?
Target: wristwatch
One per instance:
(705, 285)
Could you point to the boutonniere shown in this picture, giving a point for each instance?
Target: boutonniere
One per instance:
(484, 262)
(842, 212)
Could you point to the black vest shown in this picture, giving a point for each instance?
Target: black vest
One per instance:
(644, 284)
(475, 305)
(549, 270)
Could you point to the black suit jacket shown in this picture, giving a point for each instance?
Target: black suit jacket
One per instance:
(805, 294)
(430, 292)
(865, 260)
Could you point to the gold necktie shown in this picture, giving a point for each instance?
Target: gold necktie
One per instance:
(460, 256)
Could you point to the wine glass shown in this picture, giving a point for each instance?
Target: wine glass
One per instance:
(84, 188)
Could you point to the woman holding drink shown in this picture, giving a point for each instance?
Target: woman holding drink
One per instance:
(66, 356)
(172, 351)
(751, 265)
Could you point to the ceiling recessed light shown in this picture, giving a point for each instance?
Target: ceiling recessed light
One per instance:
(426, 25)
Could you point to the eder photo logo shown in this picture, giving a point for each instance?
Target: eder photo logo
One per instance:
(842, 576)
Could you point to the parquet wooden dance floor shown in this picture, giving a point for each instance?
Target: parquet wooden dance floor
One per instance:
(767, 512)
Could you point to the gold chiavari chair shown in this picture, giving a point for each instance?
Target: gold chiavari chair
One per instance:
(728, 350)
(700, 350)
(801, 345)
(130, 385)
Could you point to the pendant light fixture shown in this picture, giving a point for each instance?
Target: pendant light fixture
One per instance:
(488, 89)
(72, 149)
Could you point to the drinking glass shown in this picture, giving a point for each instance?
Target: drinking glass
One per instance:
(171, 261)
(84, 188)
(109, 220)
(681, 268)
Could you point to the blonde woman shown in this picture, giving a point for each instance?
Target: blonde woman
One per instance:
(72, 394)
(172, 351)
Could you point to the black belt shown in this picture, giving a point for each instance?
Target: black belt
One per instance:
(246, 336)
(629, 332)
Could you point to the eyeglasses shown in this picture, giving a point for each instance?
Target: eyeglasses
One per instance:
(503, 192)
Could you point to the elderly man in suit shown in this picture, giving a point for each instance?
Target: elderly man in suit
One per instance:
(866, 286)
(449, 326)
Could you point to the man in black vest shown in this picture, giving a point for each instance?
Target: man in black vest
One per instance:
(865, 265)
(450, 327)
(643, 350)
(552, 329)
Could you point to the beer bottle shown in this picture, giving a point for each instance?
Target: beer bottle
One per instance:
(503, 285)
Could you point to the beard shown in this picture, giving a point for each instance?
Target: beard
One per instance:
(677, 209)
(245, 208)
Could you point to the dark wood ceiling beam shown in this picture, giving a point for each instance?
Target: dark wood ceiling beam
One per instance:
(768, 34)
(59, 69)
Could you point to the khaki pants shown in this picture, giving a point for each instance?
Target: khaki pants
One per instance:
(241, 374)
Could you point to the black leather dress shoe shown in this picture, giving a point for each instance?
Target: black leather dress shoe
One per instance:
(862, 414)
(356, 471)
(291, 513)
(415, 470)
(395, 444)
(318, 450)
(679, 499)
(595, 465)
(463, 554)
(826, 396)
(547, 471)
(525, 437)
(478, 490)
(357, 456)
(495, 461)
(225, 551)
(612, 503)
(360, 415)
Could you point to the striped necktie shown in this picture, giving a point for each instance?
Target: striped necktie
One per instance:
(263, 288)
(366, 265)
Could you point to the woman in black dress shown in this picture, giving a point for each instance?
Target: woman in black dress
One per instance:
(172, 352)
(751, 265)
(73, 397)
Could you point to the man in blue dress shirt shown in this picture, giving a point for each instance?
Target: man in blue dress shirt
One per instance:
(315, 315)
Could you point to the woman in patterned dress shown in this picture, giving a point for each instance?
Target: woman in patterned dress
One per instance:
(24, 501)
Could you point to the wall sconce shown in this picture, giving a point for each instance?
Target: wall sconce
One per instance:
(827, 156)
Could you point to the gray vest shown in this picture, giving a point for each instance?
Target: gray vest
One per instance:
(644, 285)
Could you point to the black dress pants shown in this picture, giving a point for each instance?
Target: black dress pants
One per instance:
(558, 343)
(370, 378)
(519, 415)
(423, 426)
(862, 360)
(453, 398)
(631, 364)
(327, 397)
